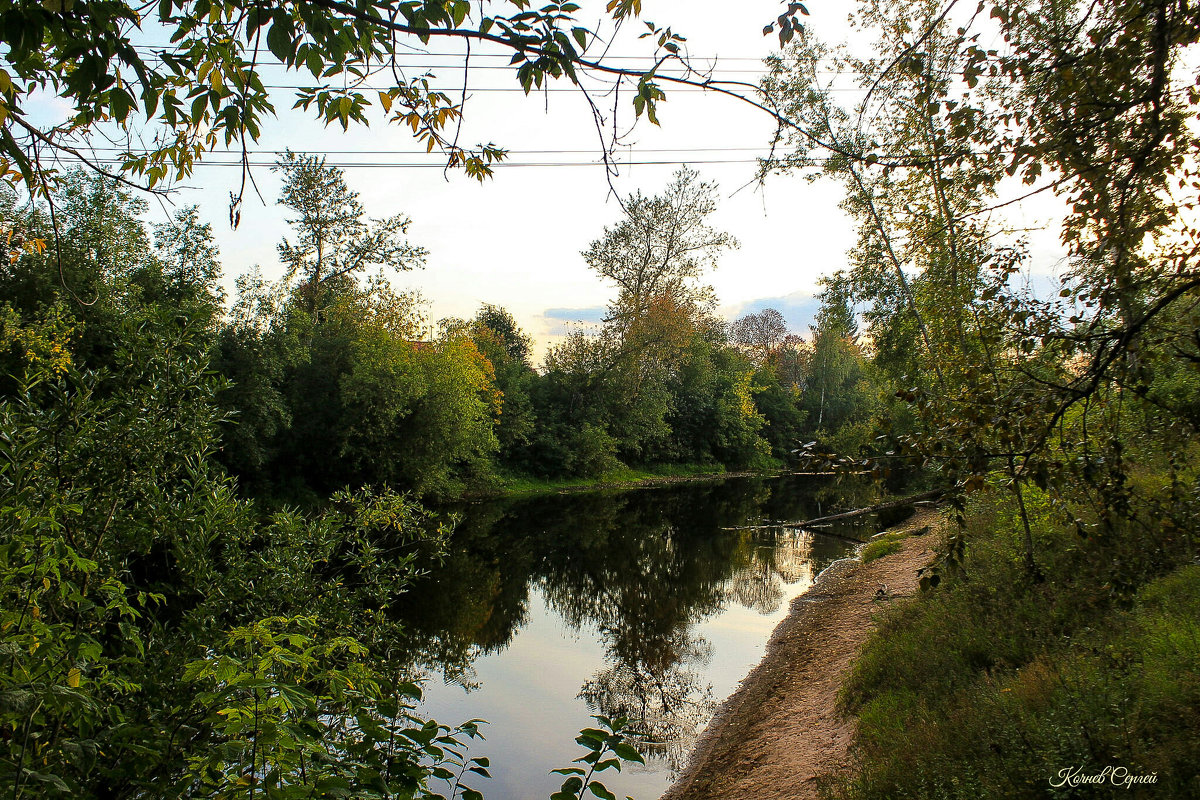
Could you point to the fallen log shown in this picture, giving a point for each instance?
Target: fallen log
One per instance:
(819, 524)
(933, 494)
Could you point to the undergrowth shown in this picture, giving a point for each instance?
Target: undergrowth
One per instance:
(999, 685)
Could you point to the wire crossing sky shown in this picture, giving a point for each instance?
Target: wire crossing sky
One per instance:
(515, 241)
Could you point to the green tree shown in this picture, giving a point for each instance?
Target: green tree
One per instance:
(103, 268)
(1078, 101)
(421, 417)
(502, 342)
(333, 241)
(662, 246)
(619, 380)
(837, 391)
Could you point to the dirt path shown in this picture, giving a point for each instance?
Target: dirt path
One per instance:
(780, 730)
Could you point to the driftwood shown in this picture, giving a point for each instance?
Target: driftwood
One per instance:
(823, 522)
(858, 512)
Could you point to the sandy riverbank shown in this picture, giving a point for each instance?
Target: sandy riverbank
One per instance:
(780, 731)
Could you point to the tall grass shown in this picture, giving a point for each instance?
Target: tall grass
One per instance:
(995, 683)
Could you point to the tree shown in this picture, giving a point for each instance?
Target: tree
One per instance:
(421, 418)
(333, 240)
(103, 269)
(760, 334)
(834, 390)
(1079, 101)
(502, 342)
(662, 246)
(160, 630)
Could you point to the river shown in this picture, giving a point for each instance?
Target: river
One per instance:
(634, 603)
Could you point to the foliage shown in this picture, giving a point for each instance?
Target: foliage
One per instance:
(838, 386)
(1068, 412)
(186, 76)
(332, 385)
(659, 383)
(991, 687)
(607, 749)
(506, 347)
(333, 241)
(126, 557)
(296, 713)
(661, 247)
(759, 334)
(996, 378)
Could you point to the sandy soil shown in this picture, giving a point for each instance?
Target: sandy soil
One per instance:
(781, 731)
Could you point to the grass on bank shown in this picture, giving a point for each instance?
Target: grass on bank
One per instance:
(882, 546)
(993, 684)
(517, 486)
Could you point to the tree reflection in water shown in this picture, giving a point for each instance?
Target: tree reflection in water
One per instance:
(653, 675)
(641, 569)
(667, 702)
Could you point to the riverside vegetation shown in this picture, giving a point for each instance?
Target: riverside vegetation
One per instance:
(171, 628)
(170, 625)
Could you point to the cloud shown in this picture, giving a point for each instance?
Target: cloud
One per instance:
(798, 308)
(557, 319)
(590, 314)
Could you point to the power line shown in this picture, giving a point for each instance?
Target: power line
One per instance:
(604, 90)
(423, 151)
(431, 165)
(474, 55)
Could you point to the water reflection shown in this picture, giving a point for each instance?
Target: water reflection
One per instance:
(668, 700)
(649, 576)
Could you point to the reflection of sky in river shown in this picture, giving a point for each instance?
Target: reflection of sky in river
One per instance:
(529, 692)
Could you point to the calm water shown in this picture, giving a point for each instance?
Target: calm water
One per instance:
(634, 603)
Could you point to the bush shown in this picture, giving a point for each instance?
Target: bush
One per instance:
(991, 685)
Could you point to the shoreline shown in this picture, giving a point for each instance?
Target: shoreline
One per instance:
(779, 733)
(643, 482)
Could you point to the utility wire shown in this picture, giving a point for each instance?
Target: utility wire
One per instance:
(422, 151)
(431, 165)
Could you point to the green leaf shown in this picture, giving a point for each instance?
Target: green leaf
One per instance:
(601, 791)
(595, 734)
(198, 107)
(628, 753)
(279, 38)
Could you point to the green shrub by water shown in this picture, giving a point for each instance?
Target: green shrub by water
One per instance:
(992, 685)
(883, 546)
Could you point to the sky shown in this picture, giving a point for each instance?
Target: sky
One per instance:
(515, 241)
